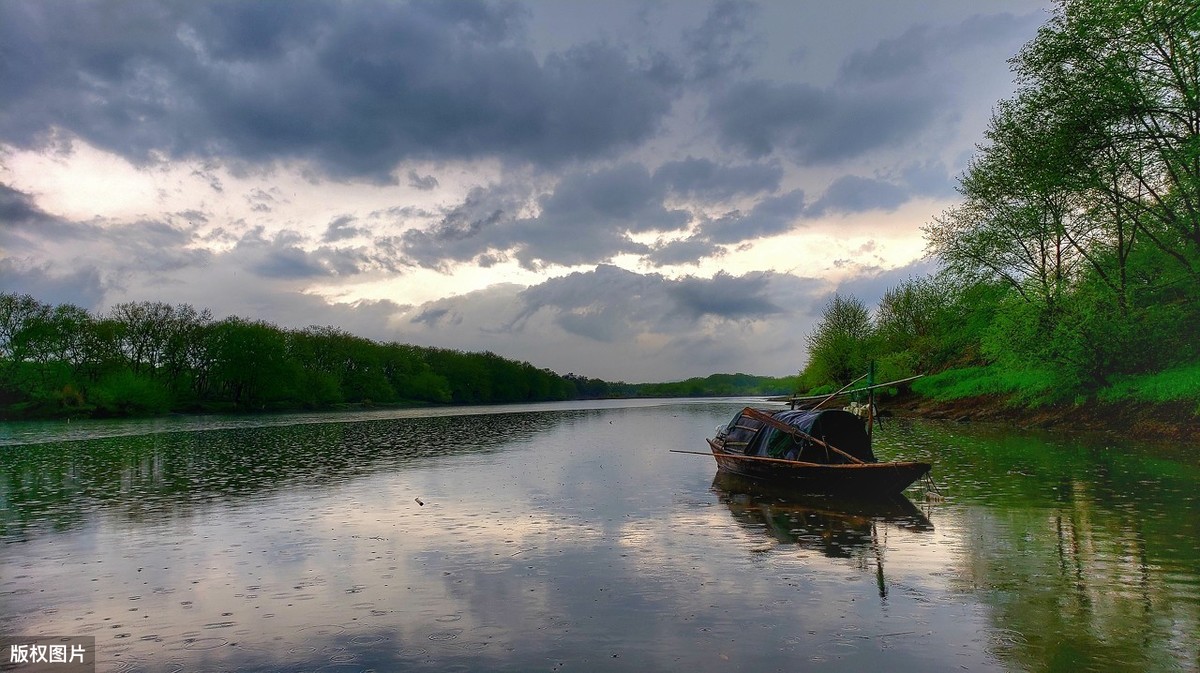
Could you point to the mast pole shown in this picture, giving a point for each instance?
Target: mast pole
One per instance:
(870, 402)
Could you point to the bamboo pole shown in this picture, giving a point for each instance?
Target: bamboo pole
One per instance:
(839, 392)
(850, 392)
(784, 427)
(871, 403)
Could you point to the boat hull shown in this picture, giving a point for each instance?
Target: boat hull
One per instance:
(866, 480)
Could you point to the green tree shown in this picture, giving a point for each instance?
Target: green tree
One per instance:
(1017, 221)
(252, 368)
(183, 355)
(841, 345)
(1122, 76)
(128, 393)
(907, 325)
(21, 319)
(142, 334)
(1095, 158)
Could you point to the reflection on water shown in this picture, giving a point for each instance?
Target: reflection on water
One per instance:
(837, 527)
(1084, 551)
(153, 477)
(566, 537)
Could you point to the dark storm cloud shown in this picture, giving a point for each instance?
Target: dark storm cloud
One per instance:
(590, 215)
(22, 222)
(724, 296)
(855, 194)
(707, 180)
(422, 182)
(919, 48)
(289, 263)
(150, 245)
(882, 97)
(352, 261)
(906, 56)
(83, 287)
(431, 316)
(285, 256)
(341, 228)
(278, 257)
(684, 251)
(622, 197)
(758, 116)
(354, 87)
(605, 304)
(16, 207)
(929, 178)
(818, 126)
(587, 218)
(466, 230)
(772, 216)
(721, 45)
(610, 303)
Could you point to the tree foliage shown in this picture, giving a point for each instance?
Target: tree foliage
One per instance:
(1074, 252)
(841, 346)
(1085, 198)
(151, 357)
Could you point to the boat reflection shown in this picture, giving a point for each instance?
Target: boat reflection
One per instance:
(837, 527)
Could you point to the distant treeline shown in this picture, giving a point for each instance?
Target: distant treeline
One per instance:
(151, 357)
(714, 385)
(1071, 266)
(145, 358)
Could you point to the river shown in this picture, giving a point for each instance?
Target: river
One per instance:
(567, 537)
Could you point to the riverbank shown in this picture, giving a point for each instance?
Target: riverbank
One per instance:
(1155, 422)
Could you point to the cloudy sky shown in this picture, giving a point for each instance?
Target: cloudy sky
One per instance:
(643, 190)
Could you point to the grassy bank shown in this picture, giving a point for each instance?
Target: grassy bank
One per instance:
(1033, 388)
(1163, 406)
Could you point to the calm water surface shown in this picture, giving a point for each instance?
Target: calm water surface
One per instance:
(567, 538)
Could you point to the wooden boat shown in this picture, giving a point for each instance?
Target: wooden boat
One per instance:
(860, 479)
(811, 451)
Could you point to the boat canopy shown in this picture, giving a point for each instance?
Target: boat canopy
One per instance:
(840, 429)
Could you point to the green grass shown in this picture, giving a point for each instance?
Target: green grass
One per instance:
(1029, 387)
(1034, 388)
(1181, 384)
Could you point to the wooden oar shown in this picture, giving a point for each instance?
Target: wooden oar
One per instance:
(784, 427)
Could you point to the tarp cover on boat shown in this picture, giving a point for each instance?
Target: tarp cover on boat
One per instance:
(837, 428)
